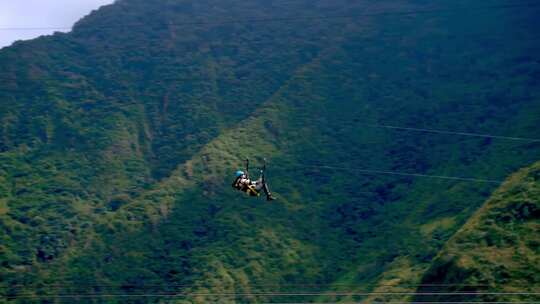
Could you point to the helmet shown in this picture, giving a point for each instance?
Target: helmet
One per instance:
(239, 173)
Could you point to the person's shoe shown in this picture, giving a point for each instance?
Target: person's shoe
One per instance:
(270, 198)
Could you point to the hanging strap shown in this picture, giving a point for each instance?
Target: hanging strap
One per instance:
(263, 173)
(247, 168)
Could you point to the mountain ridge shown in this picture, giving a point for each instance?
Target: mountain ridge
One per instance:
(124, 186)
(497, 249)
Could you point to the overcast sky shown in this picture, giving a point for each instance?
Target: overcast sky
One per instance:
(41, 13)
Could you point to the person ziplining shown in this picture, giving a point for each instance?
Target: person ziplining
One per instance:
(252, 187)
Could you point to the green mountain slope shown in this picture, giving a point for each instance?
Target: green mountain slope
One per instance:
(498, 249)
(118, 146)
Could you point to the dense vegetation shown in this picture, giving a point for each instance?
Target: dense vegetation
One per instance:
(118, 141)
(498, 249)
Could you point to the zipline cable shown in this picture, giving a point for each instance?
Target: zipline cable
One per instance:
(384, 126)
(120, 285)
(449, 132)
(387, 172)
(280, 294)
(421, 302)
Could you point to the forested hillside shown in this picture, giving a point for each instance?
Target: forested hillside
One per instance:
(498, 248)
(386, 126)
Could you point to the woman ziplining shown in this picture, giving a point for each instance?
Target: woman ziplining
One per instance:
(252, 188)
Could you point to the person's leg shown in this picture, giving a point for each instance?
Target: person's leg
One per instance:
(259, 184)
(262, 185)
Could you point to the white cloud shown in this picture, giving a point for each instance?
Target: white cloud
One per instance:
(41, 13)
